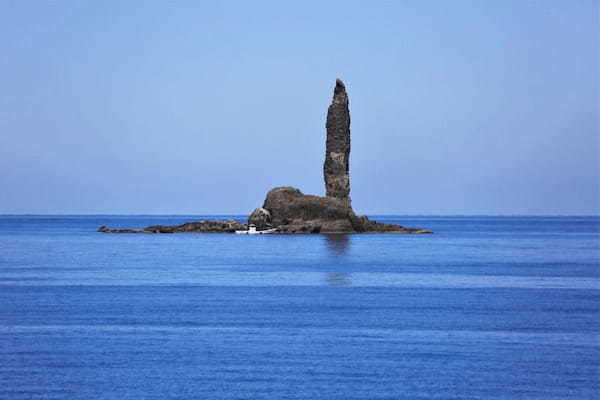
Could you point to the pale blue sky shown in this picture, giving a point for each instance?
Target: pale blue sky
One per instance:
(189, 107)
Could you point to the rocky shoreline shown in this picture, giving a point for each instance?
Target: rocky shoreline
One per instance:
(288, 210)
(230, 226)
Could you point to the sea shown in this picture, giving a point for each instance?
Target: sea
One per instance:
(484, 308)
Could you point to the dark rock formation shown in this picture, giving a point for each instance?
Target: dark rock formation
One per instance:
(261, 218)
(289, 210)
(104, 229)
(368, 226)
(228, 226)
(337, 152)
(294, 212)
(287, 203)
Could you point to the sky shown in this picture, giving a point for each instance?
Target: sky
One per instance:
(188, 107)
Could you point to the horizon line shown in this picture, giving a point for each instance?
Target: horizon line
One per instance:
(245, 215)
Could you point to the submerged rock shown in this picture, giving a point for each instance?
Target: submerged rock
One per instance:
(105, 229)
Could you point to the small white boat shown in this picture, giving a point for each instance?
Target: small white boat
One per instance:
(252, 231)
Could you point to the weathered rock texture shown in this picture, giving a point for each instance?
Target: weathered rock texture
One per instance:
(295, 212)
(261, 218)
(291, 211)
(337, 148)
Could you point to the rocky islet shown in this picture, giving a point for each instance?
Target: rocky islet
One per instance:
(288, 209)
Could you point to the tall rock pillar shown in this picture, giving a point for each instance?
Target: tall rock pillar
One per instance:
(337, 153)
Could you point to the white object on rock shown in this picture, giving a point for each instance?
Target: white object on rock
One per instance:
(252, 231)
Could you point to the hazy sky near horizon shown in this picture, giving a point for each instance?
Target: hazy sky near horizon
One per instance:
(188, 107)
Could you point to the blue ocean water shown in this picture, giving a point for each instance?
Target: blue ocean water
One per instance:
(485, 308)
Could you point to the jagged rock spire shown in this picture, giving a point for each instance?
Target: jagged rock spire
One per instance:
(288, 210)
(337, 153)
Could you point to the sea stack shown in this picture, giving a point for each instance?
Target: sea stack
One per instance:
(288, 210)
(336, 169)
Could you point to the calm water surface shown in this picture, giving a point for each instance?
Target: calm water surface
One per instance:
(486, 308)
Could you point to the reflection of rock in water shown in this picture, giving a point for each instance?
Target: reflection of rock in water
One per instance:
(339, 278)
(337, 244)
